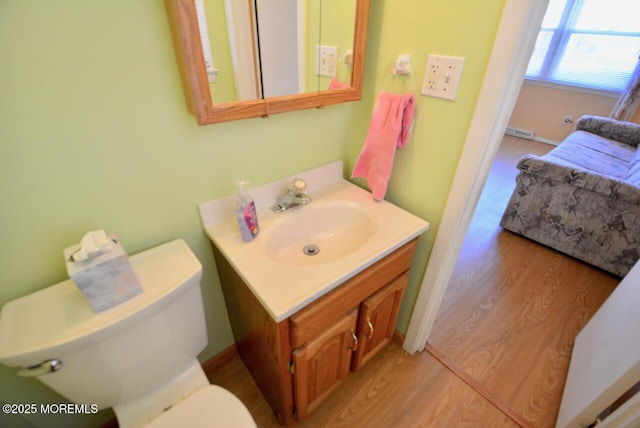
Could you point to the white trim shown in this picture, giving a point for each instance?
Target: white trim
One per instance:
(580, 89)
(518, 30)
(627, 415)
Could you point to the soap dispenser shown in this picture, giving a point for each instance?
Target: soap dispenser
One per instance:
(246, 213)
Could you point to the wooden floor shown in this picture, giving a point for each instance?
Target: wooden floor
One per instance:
(503, 336)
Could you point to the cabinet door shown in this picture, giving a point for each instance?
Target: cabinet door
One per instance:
(323, 363)
(377, 321)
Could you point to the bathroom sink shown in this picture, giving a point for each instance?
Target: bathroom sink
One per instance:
(319, 233)
(304, 252)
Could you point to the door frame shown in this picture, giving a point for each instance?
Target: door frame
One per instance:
(626, 415)
(517, 32)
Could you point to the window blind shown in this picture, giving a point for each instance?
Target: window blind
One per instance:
(593, 44)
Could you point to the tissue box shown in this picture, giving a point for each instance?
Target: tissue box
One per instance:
(106, 279)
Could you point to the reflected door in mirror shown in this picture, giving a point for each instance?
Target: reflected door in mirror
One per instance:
(270, 48)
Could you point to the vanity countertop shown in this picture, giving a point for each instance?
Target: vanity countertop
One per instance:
(286, 286)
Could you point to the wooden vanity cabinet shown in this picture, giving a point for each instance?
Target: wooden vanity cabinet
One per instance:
(299, 361)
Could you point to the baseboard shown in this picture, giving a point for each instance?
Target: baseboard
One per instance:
(219, 360)
(546, 141)
(520, 133)
(528, 135)
(398, 337)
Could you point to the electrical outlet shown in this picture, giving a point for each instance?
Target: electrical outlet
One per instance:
(568, 120)
(431, 77)
(442, 76)
(327, 61)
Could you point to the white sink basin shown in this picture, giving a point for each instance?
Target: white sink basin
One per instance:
(351, 230)
(318, 233)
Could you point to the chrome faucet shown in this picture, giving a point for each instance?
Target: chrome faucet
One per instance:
(295, 196)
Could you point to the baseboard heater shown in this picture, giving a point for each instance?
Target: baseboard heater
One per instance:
(522, 133)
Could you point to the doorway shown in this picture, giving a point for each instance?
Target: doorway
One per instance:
(513, 307)
(512, 49)
(513, 45)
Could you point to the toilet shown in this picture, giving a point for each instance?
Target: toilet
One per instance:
(139, 357)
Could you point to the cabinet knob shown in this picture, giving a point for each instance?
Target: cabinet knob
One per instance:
(355, 341)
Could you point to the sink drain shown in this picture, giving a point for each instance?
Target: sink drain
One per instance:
(311, 250)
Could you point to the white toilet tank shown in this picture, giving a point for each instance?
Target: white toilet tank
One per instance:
(122, 353)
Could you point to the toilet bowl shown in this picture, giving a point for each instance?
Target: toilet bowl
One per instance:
(139, 357)
(210, 406)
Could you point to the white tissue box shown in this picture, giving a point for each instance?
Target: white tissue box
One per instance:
(106, 279)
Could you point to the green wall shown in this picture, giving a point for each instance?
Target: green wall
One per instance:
(94, 133)
(424, 169)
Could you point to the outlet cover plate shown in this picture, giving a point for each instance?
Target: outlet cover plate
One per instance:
(327, 61)
(442, 76)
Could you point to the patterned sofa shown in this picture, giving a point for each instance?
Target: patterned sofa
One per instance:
(583, 197)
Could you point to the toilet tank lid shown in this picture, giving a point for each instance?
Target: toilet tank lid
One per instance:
(57, 319)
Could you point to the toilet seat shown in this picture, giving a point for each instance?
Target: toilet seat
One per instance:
(209, 407)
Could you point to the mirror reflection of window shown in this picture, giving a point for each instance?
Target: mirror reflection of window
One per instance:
(212, 72)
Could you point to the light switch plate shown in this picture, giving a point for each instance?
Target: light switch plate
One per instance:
(442, 76)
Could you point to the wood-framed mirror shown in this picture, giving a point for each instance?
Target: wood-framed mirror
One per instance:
(188, 44)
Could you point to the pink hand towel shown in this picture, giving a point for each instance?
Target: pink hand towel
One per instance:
(390, 128)
(336, 84)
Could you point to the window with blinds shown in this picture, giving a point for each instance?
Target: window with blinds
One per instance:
(591, 44)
